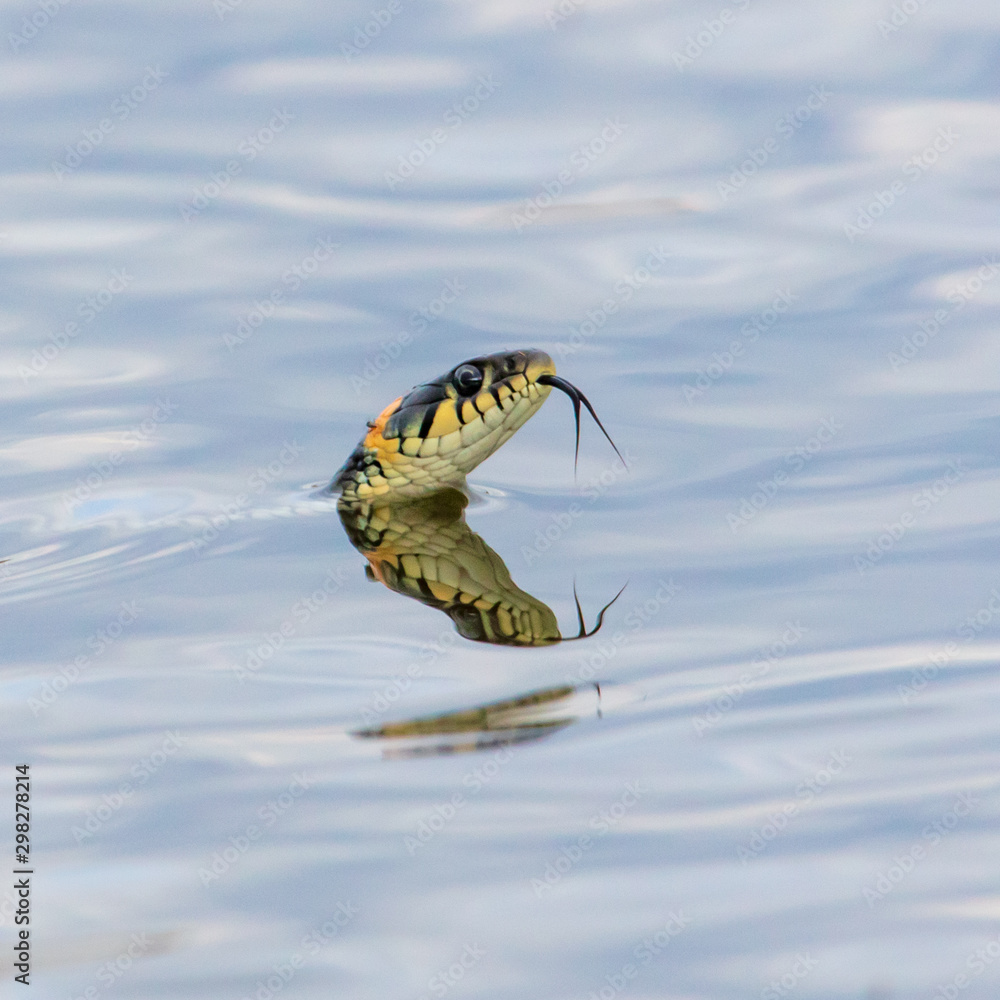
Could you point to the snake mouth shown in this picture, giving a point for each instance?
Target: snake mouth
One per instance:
(578, 397)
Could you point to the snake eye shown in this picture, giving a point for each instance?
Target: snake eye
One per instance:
(467, 379)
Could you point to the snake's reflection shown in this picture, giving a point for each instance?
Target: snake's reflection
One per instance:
(424, 549)
(528, 717)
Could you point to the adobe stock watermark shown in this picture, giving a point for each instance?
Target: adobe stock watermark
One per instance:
(454, 118)
(311, 946)
(968, 631)
(930, 837)
(380, 362)
(444, 979)
(377, 364)
(104, 469)
(795, 461)
(256, 656)
(318, 938)
(913, 170)
(393, 690)
(98, 643)
(750, 333)
(121, 108)
(974, 624)
(563, 11)
(257, 482)
(35, 23)
(921, 676)
(141, 772)
(88, 310)
(643, 953)
(561, 522)
(806, 792)
(224, 7)
(928, 497)
(444, 812)
(602, 823)
(366, 33)
(450, 293)
(776, 989)
(899, 16)
(704, 38)
(624, 289)
(237, 845)
(580, 161)
(110, 972)
(637, 618)
(293, 278)
(786, 126)
(248, 150)
(977, 962)
(558, 525)
(958, 297)
(732, 694)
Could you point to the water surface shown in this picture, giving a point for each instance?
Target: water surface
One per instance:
(762, 239)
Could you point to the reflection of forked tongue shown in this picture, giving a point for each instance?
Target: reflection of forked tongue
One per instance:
(578, 397)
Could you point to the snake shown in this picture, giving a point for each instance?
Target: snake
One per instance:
(527, 717)
(440, 430)
(423, 548)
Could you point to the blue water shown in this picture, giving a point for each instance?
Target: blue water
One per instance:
(762, 239)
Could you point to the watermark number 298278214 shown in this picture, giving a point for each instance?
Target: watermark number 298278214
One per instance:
(22, 873)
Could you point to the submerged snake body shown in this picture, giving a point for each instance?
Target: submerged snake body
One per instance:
(441, 430)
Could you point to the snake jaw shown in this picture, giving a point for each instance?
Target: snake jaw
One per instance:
(441, 430)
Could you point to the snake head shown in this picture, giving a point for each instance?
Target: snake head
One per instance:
(460, 403)
(442, 429)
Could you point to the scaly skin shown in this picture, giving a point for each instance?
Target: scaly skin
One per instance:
(437, 433)
(425, 550)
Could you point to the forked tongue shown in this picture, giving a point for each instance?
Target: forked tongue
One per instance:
(578, 397)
